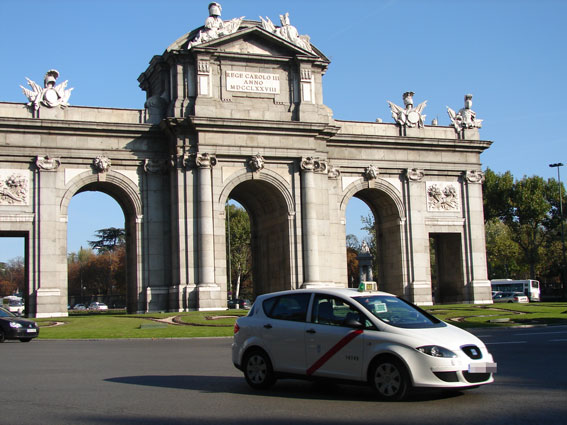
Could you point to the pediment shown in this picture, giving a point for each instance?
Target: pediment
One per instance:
(250, 40)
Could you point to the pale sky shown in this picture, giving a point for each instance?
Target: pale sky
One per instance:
(510, 55)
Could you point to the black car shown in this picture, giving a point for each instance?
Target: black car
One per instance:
(14, 327)
(239, 303)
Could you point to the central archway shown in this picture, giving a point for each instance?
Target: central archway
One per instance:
(269, 213)
(386, 206)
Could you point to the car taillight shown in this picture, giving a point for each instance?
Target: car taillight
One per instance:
(236, 328)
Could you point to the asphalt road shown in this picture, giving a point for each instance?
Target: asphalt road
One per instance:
(155, 382)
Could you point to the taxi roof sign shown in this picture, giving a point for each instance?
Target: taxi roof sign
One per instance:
(367, 287)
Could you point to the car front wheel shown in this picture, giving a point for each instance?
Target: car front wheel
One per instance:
(258, 370)
(389, 379)
(2, 336)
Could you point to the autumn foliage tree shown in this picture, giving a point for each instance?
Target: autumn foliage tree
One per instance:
(99, 271)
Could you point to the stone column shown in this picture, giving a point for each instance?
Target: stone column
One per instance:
(480, 289)
(204, 163)
(418, 238)
(51, 294)
(208, 292)
(310, 242)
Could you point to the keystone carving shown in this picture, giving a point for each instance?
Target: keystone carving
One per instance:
(256, 163)
(102, 164)
(371, 172)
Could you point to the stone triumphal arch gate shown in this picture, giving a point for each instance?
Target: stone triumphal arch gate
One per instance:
(235, 110)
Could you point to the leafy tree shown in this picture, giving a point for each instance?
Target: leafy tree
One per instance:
(502, 252)
(108, 239)
(497, 194)
(12, 277)
(240, 251)
(370, 226)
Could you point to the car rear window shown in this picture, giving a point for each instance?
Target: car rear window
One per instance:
(291, 307)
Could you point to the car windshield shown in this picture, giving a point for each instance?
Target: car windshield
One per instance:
(398, 312)
(5, 313)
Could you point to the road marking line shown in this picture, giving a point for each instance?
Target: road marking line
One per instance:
(510, 342)
(558, 340)
(334, 350)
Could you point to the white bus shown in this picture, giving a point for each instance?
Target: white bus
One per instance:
(528, 287)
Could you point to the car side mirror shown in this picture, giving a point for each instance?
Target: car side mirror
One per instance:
(353, 323)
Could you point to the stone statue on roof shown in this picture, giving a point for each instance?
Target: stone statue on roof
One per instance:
(466, 117)
(287, 32)
(408, 116)
(215, 27)
(50, 95)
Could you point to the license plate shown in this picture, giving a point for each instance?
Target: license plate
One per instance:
(31, 331)
(482, 368)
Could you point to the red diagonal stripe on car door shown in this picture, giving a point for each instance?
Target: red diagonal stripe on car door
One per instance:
(334, 350)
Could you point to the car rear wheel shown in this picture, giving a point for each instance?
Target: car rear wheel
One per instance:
(389, 379)
(258, 370)
(25, 339)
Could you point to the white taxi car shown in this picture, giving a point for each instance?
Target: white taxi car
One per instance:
(362, 336)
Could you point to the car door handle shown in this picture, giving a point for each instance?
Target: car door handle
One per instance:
(268, 326)
(311, 331)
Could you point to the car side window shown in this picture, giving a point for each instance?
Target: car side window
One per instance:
(334, 311)
(291, 307)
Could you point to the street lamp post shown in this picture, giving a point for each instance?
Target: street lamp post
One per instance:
(564, 263)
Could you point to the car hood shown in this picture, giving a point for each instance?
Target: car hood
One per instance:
(23, 322)
(448, 336)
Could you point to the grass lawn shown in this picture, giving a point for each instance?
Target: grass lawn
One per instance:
(102, 325)
(220, 324)
(497, 315)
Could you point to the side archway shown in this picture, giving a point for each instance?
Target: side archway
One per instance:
(268, 201)
(126, 194)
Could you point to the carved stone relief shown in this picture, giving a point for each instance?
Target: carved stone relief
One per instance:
(415, 174)
(155, 166)
(334, 172)
(316, 165)
(47, 163)
(442, 196)
(475, 176)
(14, 187)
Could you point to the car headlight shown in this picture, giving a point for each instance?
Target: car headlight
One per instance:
(15, 325)
(436, 351)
